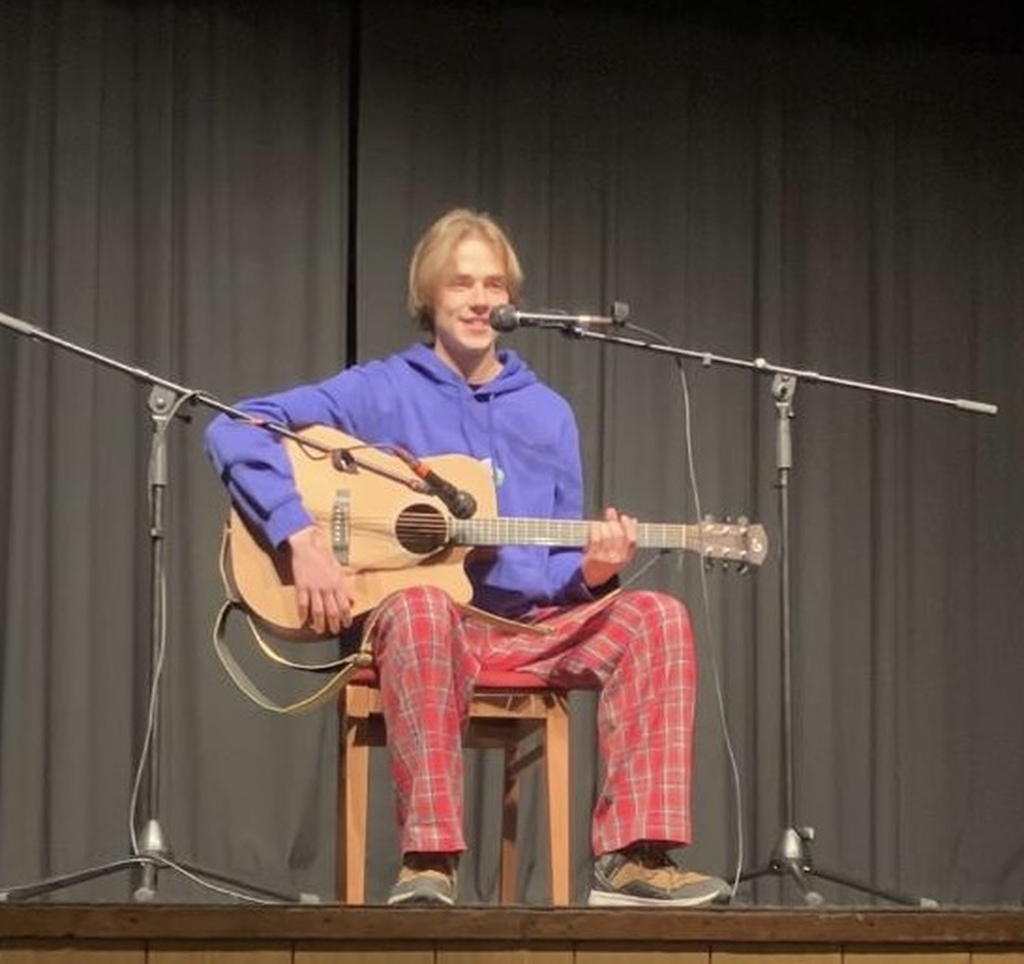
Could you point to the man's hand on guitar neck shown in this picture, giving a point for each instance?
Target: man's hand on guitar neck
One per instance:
(320, 584)
(611, 545)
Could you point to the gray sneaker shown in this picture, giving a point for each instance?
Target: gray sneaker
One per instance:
(425, 879)
(645, 876)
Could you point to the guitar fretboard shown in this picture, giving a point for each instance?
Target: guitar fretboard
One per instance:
(507, 531)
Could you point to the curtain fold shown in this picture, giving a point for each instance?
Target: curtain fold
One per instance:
(177, 176)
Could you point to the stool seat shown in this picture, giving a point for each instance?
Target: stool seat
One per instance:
(488, 679)
(506, 708)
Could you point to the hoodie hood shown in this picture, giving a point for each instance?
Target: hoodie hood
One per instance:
(514, 375)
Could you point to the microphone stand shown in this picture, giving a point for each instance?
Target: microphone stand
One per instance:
(152, 853)
(790, 857)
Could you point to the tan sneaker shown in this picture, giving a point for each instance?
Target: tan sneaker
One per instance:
(645, 876)
(425, 879)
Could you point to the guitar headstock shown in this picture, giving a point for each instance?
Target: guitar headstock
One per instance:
(740, 542)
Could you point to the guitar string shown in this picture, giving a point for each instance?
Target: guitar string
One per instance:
(442, 523)
(565, 532)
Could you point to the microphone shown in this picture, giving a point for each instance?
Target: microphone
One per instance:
(458, 502)
(509, 317)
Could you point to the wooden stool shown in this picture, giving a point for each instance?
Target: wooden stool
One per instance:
(506, 708)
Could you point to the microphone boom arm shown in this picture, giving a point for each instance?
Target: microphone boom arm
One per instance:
(761, 365)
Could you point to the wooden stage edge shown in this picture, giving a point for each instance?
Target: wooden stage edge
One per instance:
(999, 929)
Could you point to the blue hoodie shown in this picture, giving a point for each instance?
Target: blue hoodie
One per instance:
(523, 429)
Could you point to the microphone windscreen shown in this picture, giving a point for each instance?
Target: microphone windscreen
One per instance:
(504, 318)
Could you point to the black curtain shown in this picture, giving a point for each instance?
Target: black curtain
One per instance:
(226, 195)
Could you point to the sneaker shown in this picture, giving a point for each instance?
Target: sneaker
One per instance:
(645, 876)
(425, 879)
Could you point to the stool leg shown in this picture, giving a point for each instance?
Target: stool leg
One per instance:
(358, 766)
(341, 863)
(556, 738)
(510, 821)
(354, 797)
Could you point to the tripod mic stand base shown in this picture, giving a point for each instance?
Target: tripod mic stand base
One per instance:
(792, 858)
(149, 865)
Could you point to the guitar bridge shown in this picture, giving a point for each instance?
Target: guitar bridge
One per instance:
(339, 526)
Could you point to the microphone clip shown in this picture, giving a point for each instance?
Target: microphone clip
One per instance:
(342, 460)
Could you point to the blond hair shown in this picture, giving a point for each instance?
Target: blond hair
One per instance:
(433, 254)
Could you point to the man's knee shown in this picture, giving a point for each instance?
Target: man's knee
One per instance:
(663, 621)
(412, 619)
(661, 609)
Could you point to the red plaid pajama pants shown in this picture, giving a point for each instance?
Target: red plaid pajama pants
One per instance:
(638, 649)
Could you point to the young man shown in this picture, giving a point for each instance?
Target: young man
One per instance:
(459, 393)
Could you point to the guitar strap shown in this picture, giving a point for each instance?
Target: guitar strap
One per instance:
(343, 669)
(503, 622)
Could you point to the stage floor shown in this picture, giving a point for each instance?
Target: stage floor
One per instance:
(329, 934)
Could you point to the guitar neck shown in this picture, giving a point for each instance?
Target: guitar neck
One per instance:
(511, 531)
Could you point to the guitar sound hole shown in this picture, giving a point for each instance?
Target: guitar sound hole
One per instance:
(421, 529)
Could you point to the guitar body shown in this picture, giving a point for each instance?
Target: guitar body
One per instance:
(377, 563)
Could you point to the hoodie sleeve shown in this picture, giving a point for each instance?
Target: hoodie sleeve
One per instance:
(566, 574)
(252, 462)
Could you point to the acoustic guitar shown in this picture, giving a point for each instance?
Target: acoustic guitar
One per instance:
(389, 535)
